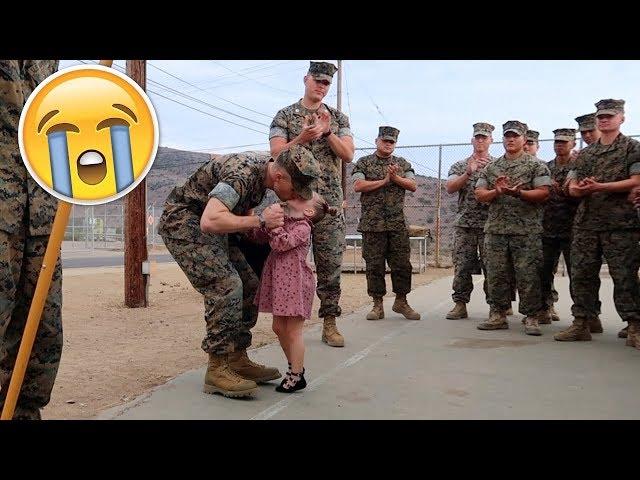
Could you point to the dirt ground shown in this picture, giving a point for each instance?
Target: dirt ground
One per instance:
(113, 354)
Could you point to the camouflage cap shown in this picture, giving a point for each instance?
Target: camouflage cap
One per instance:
(388, 133)
(514, 126)
(565, 134)
(532, 135)
(301, 165)
(586, 122)
(609, 106)
(322, 70)
(482, 128)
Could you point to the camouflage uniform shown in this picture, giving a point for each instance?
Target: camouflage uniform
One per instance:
(383, 225)
(606, 224)
(468, 245)
(328, 234)
(513, 233)
(26, 218)
(559, 211)
(222, 267)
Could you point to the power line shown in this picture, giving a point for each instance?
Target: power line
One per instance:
(209, 93)
(195, 99)
(189, 97)
(288, 92)
(244, 70)
(206, 113)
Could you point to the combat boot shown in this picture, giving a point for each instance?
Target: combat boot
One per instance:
(531, 323)
(330, 334)
(241, 364)
(623, 333)
(595, 325)
(458, 311)
(400, 305)
(544, 318)
(497, 321)
(377, 312)
(633, 335)
(577, 332)
(554, 315)
(220, 378)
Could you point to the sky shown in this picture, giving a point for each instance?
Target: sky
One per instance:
(429, 101)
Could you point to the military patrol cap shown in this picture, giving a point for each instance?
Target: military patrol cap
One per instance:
(514, 126)
(322, 70)
(609, 106)
(565, 134)
(388, 133)
(532, 135)
(301, 165)
(586, 122)
(482, 128)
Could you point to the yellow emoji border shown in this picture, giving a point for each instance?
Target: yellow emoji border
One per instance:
(149, 162)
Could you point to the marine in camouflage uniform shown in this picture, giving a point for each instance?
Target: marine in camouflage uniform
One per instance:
(468, 245)
(606, 224)
(590, 134)
(219, 266)
(559, 211)
(330, 148)
(515, 185)
(382, 178)
(26, 218)
(587, 127)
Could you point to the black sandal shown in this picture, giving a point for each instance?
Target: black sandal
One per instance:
(292, 382)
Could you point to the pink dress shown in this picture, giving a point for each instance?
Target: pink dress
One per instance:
(287, 285)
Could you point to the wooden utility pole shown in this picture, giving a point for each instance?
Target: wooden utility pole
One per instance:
(339, 107)
(135, 230)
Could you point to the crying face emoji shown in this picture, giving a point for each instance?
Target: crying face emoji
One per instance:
(88, 135)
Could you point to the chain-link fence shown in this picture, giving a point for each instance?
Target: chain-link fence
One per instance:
(102, 226)
(430, 206)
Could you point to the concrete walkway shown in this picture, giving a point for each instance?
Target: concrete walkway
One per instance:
(431, 369)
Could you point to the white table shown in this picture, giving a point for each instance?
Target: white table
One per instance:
(422, 248)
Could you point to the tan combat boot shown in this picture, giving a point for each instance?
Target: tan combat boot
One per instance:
(595, 325)
(532, 323)
(458, 312)
(377, 312)
(330, 334)
(633, 336)
(623, 333)
(400, 305)
(221, 379)
(241, 364)
(497, 321)
(577, 332)
(544, 317)
(554, 315)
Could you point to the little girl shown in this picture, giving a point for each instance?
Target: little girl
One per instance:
(287, 285)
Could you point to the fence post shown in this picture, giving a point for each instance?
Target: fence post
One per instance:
(73, 225)
(438, 203)
(153, 227)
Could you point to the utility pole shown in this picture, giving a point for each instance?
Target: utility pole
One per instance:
(135, 232)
